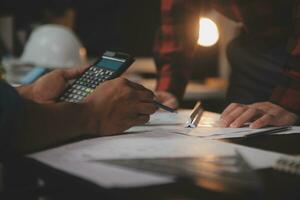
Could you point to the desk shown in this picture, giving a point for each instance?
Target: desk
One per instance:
(276, 185)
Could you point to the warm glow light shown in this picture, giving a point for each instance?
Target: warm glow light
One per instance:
(208, 32)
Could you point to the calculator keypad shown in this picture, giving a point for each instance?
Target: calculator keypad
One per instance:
(86, 84)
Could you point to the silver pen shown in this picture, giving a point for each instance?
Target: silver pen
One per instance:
(195, 116)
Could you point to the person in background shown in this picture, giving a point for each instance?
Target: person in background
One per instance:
(31, 119)
(264, 86)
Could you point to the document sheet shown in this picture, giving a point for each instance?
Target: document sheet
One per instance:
(163, 137)
(209, 126)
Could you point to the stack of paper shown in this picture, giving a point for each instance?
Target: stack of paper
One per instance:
(208, 127)
(164, 137)
(79, 158)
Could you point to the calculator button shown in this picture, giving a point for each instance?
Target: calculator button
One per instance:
(82, 88)
(89, 90)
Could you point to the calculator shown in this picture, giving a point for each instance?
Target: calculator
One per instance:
(109, 66)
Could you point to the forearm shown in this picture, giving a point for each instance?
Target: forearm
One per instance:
(46, 125)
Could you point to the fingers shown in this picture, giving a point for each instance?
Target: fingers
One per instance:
(141, 92)
(145, 108)
(232, 114)
(245, 117)
(135, 85)
(167, 99)
(263, 121)
(74, 72)
(229, 108)
(144, 96)
(260, 114)
(141, 119)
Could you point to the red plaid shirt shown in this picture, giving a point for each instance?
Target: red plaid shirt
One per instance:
(269, 21)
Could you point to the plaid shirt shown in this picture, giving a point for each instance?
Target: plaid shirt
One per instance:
(269, 21)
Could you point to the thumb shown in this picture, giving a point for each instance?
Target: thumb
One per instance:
(74, 72)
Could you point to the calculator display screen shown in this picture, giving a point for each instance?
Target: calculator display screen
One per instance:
(110, 64)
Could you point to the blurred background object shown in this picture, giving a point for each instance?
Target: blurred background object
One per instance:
(44, 39)
(120, 25)
(53, 46)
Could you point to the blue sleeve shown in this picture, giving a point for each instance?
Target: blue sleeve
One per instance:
(11, 117)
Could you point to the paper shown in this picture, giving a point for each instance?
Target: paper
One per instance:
(222, 133)
(231, 172)
(76, 158)
(175, 123)
(208, 127)
(163, 137)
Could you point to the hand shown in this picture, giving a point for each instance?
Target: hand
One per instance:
(117, 105)
(50, 86)
(259, 114)
(167, 99)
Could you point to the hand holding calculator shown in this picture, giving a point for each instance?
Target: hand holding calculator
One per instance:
(109, 66)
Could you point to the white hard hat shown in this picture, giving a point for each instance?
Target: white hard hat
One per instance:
(53, 46)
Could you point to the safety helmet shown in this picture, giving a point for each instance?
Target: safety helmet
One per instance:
(53, 46)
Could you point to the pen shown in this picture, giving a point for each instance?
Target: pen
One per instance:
(164, 107)
(268, 132)
(195, 116)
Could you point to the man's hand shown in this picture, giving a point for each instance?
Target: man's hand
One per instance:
(167, 99)
(112, 108)
(48, 88)
(259, 114)
(117, 105)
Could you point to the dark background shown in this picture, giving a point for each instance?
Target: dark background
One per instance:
(125, 25)
(121, 25)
